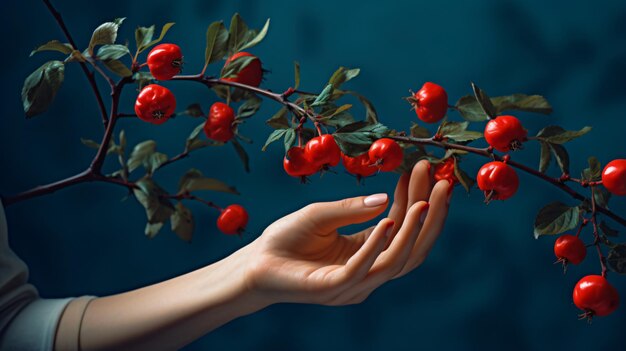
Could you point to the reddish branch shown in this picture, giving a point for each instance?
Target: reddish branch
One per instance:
(89, 74)
(94, 172)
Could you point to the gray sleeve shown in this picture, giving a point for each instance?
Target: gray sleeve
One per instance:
(27, 322)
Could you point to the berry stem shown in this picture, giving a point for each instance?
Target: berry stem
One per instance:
(89, 74)
(189, 196)
(596, 234)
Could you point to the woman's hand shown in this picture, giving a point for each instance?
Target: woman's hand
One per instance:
(302, 258)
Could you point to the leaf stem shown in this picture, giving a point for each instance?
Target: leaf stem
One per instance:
(596, 234)
(89, 74)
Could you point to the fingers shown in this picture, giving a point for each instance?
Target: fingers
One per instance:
(420, 183)
(400, 199)
(433, 225)
(360, 263)
(325, 217)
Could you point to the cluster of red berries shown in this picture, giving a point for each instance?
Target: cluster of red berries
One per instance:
(322, 152)
(156, 104)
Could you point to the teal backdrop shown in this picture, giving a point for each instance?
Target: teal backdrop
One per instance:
(487, 285)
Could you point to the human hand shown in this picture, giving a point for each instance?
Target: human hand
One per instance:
(302, 258)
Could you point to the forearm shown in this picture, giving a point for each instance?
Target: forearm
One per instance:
(171, 314)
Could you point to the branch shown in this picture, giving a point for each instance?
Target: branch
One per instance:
(486, 153)
(89, 74)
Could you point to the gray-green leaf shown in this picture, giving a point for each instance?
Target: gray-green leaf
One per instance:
(41, 86)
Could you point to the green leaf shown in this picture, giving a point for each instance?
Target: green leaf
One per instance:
(257, 38)
(556, 218)
(112, 52)
(234, 67)
(41, 86)
(342, 75)
(274, 136)
(558, 135)
(54, 45)
(545, 157)
(122, 139)
(143, 36)
(194, 180)
(90, 143)
(356, 138)
(140, 154)
(601, 196)
(249, 107)
(561, 156)
(594, 172)
(323, 97)
(151, 196)
(466, 181)
(182, 222)
(484, 101)
(196, 131)
(155, 161)
(237, 33)
(106, 33)
(164, 30)
(195, 110)
(279, 120)
(243, 155)
(152, 229)
(216, 42)
(470, 109)
(143, 79)
(418, 131)
(522, 102)
(290, 138)
(606, 230)
(616, 259)
(458, 131)
(296, 73)
(118, 68)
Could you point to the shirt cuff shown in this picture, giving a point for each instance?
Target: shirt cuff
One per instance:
(34, 327)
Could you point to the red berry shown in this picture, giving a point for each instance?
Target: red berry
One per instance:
(497, 180)
(386, 154)
(251, 75)
(155, 104)
(445, 170)
(430, 102)
(165, 61)
(361, 166)
(232, 220)
(219, 123)
(596, 296)
(570, 249)
(505, 133)
(614, 177)
(296, 164)
(323, 150)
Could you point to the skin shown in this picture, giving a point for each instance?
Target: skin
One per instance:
(299, 258)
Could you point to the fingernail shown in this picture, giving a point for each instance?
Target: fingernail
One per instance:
(375, 200)
(450, 189)
(389, 229)
(424, 213)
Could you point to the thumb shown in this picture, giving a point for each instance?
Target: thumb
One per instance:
(324, 217)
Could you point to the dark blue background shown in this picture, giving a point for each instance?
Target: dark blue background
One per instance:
(488, 283)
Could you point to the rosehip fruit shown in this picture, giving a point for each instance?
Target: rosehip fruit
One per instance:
(505, 133)
(155, 104)
(445, 170)
(570, 249)
(323, 150)
(232, 220)
(386, 154)
(251, 75)
(165, 61)
(297, 164)
(361, 166)
(219, 123)
(430, 102)
(594, 295)
(497, 180)
(614, 177)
